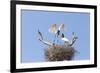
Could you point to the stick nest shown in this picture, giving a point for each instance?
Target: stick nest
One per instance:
(59, 53)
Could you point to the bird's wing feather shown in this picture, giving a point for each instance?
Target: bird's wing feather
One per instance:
(53, 28)
(61, 27)
(49, 43)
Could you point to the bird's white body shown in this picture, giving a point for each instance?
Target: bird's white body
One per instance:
(65, 39)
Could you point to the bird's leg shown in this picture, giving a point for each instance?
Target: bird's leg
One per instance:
(54, 39)
(57, 40)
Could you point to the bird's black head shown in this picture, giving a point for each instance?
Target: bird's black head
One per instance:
(58, 32)
(62, 35)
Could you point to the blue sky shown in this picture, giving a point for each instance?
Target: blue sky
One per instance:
(33, 49)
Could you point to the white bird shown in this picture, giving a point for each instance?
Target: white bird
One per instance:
(68, 42)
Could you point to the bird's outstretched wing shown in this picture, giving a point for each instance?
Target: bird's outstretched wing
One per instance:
(53, 28)
(46, 42)
(61, 27)
(74, 38)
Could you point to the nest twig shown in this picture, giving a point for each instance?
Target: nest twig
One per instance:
(59, 53)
